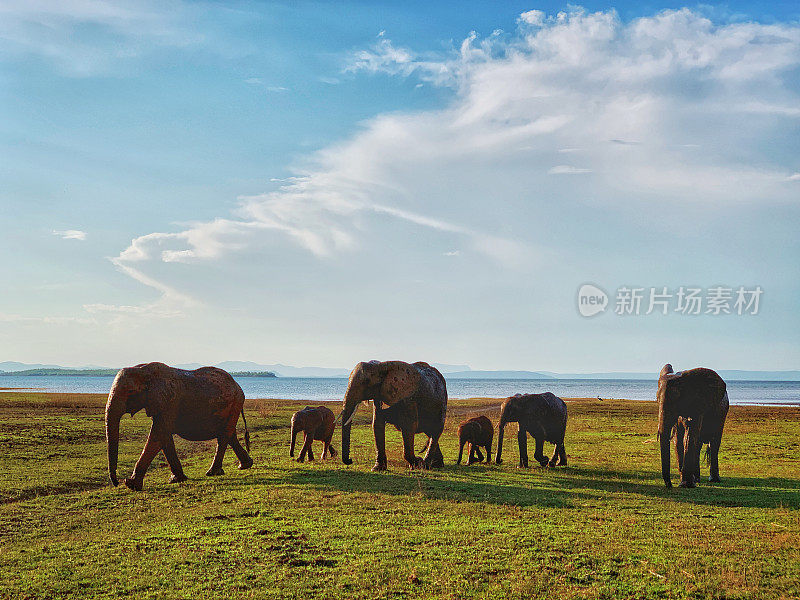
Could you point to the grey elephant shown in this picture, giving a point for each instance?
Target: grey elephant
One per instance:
(692, 406)
(544, 417)
(204, 404)
(412, 397)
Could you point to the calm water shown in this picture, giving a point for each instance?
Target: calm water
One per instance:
(313, 389)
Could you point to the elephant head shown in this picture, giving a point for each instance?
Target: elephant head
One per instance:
(386, 382)
(134, 388)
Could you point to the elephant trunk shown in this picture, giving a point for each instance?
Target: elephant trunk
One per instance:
(500, 430)
(115, 408)
(346, 444)
(294, 436)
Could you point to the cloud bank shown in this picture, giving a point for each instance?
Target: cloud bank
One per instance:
(670, 108)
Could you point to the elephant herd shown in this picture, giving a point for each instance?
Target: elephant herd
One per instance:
(205, 404)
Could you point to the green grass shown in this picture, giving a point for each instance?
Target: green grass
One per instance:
(604, 527)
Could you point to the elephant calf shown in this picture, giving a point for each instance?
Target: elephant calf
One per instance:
(692, 406)
(317, 423)
(478, 433)
(544, 416)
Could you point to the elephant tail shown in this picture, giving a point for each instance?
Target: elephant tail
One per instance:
(246, 432)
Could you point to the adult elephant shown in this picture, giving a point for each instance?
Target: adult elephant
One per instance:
(412, 397)
(544, 417)
(197, 405)
(692, 406)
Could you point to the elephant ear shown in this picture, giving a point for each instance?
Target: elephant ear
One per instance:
(156, 396)
(400, 383)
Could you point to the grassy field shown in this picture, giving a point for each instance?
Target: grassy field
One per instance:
(603, 527)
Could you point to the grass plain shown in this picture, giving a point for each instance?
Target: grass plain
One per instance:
(603, 527)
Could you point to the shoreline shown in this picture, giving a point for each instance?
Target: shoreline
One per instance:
(460, 399)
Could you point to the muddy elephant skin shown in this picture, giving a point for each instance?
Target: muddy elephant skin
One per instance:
(478, 433)
(544, 417)
(316, 423)
(412, 397)
(692, 407)
(203, 404)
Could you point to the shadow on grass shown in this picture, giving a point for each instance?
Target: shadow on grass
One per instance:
(751, 492)
(396, 484)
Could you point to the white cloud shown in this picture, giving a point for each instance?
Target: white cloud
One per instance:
(70, 234)
(624, 95)
(567, 170)
(793, 177)
(452, 253)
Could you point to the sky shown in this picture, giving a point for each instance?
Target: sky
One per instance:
(318, 183)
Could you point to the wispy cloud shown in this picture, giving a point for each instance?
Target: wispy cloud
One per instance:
(74, 34)
(793, 177)
(70, 234)
(567, 170)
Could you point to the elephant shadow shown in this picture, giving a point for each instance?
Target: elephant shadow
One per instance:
(466, 489)
(744, 492)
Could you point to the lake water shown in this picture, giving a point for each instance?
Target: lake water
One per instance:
(319, 389)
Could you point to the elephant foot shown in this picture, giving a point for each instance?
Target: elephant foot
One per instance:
(215, 471)
(714, 479)
(246, 464)
(178, 478)
(417, 463)
(522, 466)
(379, 466)
(688, 484)
(134, 483)
(552, 463)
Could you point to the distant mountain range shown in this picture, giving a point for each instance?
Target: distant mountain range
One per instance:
(253, 369)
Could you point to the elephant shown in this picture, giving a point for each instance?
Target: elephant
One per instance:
(544, 416)
(692, 406)
(477, 432)
(317, 423)
(203, 404)
(415, 396)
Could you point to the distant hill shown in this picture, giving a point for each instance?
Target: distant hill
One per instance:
(497, 375)
(253, 369)
(51, 372)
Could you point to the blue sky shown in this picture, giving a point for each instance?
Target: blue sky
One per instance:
(322, 183)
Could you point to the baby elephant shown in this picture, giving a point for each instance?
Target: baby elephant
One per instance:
(478, 433)
(317, 423)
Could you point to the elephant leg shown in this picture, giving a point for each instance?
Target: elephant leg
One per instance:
(522, 441)
(216, 464)
(713, 459)
(433, 457)
(538, 452)
(691, 454)
(554, 459)
(414, 461)
(379, 431)
(151, 448)
(178, 475)
(471, 455)
(306, 449)
(245, 461)
(664, 442)
(679, 444)
(478, 453)
(461, 452)
(488, 453)
(311, 450)
(562, 454)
